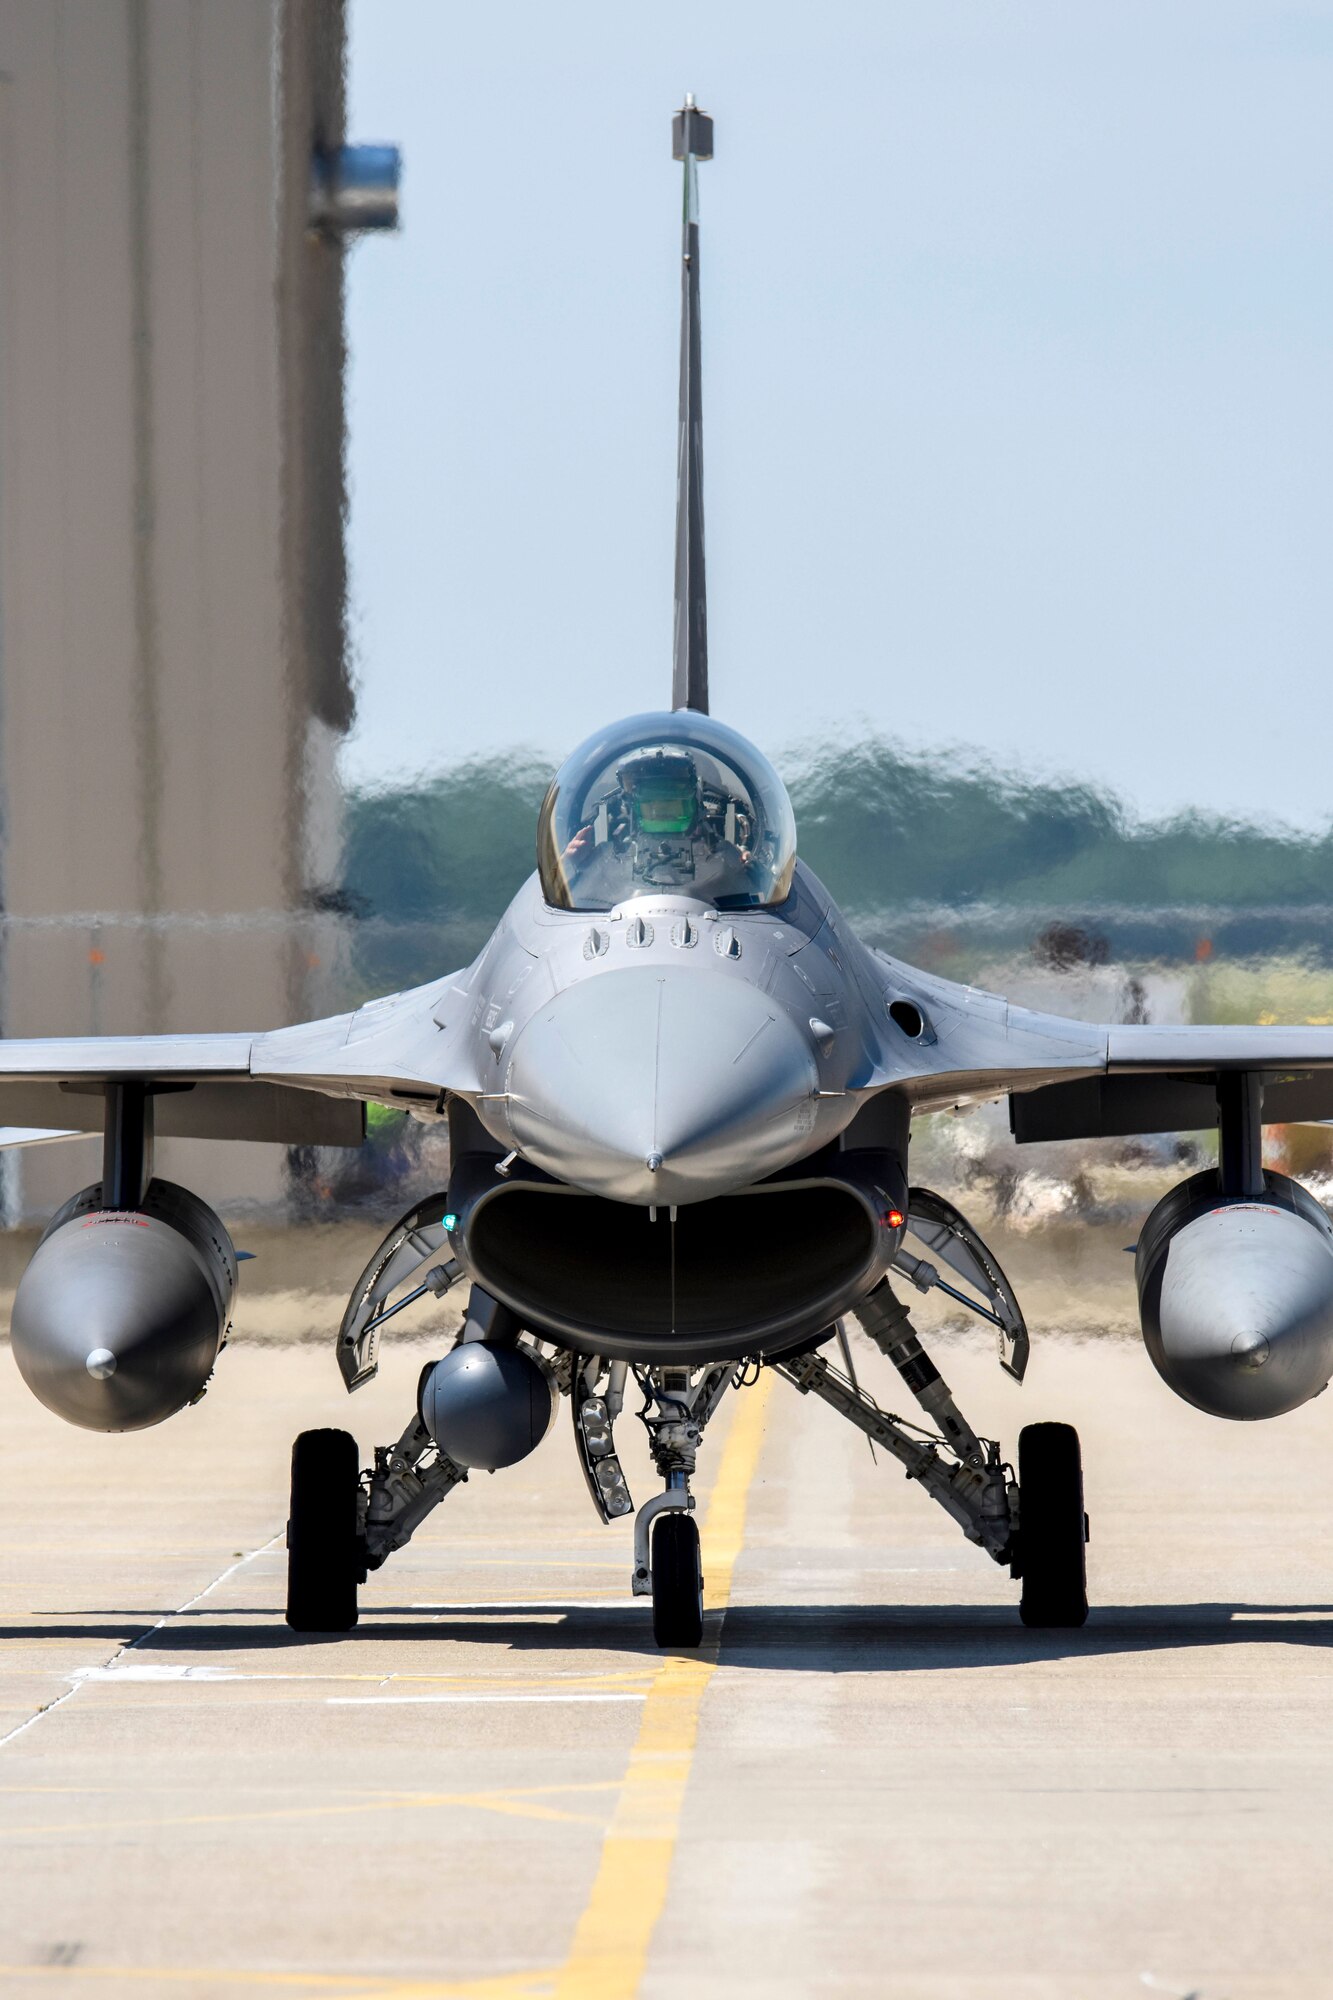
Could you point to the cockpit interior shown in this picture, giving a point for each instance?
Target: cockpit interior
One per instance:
(671, 804)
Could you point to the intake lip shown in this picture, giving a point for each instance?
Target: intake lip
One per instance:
(759, 1271)
(661, 1085)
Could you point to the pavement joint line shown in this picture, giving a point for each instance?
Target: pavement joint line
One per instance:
(609, 1951)
(58, 1701)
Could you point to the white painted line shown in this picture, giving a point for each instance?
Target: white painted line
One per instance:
(175, 1673)
(233, 1676)
(391, 1700)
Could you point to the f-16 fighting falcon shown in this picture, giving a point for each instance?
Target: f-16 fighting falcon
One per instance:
(679, 1095)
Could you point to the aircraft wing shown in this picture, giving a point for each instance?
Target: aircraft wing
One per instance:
(1069, 1079)
(1211, 1048)
(305, 1085)
(70, 1058)
(1164, 1080)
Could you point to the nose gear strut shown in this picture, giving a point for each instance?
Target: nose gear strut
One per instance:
(678, 1403)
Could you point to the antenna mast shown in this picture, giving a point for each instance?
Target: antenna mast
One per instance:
(691, 141)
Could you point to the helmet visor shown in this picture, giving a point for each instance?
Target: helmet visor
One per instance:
(659, 804)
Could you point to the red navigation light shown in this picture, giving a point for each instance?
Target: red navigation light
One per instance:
(894, 1218)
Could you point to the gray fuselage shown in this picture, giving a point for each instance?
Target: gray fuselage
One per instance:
(668, 1052)
(682, 1080)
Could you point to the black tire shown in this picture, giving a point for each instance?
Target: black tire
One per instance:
(324, 1553)
(1053, 1529)
(678, 1584)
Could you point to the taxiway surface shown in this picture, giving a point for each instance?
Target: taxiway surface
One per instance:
(871, 1781)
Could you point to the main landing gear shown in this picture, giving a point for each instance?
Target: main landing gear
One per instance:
(1035, 1524)
(341, 1526)
(1050, 1546)
(325, 1548)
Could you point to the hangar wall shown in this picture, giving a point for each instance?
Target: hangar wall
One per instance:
(173, 677)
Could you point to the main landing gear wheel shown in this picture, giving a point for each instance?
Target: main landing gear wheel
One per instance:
(324, 1552)
(1053, 1528)
(678, 1584)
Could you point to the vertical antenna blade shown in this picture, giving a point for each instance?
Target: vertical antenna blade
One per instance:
(691, 141)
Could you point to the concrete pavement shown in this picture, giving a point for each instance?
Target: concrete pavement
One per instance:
(872, 1780)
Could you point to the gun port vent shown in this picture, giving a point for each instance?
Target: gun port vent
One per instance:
(906, 1015)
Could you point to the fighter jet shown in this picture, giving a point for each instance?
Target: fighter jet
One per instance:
(679, 1094)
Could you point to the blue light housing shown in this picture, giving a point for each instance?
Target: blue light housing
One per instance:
(354, 189)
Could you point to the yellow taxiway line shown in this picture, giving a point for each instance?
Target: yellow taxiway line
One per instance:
(341, 1985)
(610, 1948)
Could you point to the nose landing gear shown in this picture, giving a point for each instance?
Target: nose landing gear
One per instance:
(678, 1403)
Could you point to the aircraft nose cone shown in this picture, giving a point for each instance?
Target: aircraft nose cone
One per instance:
(1245, 1317)
(661, 1085)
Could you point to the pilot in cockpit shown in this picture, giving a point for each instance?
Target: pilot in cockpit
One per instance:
(676, 833)
(676, 804)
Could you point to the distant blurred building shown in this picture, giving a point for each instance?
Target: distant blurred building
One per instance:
(173, 672)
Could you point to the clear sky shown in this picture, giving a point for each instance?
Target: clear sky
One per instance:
(1018, 381)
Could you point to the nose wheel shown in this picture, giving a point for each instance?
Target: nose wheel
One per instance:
(678, 1584)
(678, 1404)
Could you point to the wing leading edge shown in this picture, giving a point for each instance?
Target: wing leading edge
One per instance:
(305, 1085)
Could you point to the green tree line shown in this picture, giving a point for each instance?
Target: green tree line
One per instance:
(430, 865)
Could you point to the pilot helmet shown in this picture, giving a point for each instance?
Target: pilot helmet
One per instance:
(662, 788)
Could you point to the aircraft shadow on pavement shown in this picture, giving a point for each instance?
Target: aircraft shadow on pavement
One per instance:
(846, 1638)
(827, 1638)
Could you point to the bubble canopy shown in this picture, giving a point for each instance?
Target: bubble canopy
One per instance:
(671, 804)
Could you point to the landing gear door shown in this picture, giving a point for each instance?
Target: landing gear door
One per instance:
(949, 1236)
(414, 1240)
